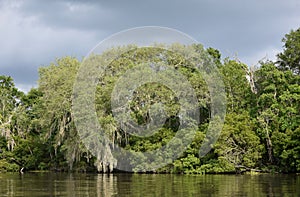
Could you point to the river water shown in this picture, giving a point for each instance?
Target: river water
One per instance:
(60, 184)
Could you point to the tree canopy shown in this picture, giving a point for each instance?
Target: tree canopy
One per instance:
(261, 130)
(289, 59)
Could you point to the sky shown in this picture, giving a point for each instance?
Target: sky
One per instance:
(33, 33)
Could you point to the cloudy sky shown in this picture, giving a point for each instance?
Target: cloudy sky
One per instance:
(34, 33)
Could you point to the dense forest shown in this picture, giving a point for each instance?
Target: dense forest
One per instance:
(261, 130)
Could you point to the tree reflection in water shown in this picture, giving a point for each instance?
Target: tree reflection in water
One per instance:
(62, 184)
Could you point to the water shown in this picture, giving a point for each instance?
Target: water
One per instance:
(57, 184)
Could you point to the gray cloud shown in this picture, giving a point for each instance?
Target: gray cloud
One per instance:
(34, 33)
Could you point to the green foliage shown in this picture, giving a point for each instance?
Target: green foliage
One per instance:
(219, 165)
(6, 166)
(216, 55)
(289, 59)
(238, 144)
(9, 103)
(56, 85)
(261, 129)
(237, 85)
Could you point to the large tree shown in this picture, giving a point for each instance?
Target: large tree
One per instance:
(56, 84)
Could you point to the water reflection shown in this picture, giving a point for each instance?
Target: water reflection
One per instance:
(52, 184)
(211, 185)
(106, 185)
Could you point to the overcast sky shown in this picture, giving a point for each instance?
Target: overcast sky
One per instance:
(34, 33)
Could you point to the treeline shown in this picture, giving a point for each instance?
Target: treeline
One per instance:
(261, 129)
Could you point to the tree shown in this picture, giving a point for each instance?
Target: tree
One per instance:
(56, 85)
(289, 59)
(286, 138)
(238, 144)
(278, 114)
(237, 86)
(9, 101)
(270, 83)
(261, 130)
(144, 97)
